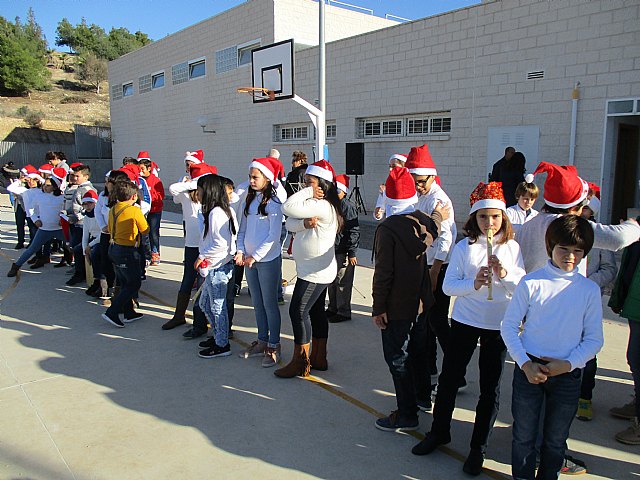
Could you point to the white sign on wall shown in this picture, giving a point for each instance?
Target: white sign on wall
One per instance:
(523, 139)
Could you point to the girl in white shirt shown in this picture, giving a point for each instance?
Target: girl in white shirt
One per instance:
(217, 245)
(526, 194)
(259, 251)
(314, 215)
(475, 317)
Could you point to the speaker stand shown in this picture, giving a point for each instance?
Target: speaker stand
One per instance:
(359, 202)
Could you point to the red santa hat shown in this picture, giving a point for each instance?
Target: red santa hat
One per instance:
(400, 188)
(46, 168)
(76, 165)
(132, 171)
(269, 166)
(28, 169)
(198, 170)
(155, 169)
(58, 175)
(195, 157)
(322, 169)
(594, 201)
(487, 195)
(143, 155)
(563, 188)
(397, 157)
(342, 182)
(90, 196)
(419, 161)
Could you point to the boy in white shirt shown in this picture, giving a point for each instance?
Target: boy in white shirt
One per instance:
(560, 312)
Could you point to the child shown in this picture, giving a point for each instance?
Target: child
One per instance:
(474, 275)
(156, 190)
(552, 327)
(396, 160)
(526, 194)
(259, 251)
(46, 216)
(217, 246)
(126, 224)
(314, 215)
(185, 194)
(90, 245)
(80, 184)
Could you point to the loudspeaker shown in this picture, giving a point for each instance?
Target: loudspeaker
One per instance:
(355, 158)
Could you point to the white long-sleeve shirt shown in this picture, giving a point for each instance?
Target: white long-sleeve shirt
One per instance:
(607, 237)
(101, 212)
(259, 235)
(442, 247)
(471, 306)
(563, 313)
(519, 217)
(90, 229)
(190, 211)
(219, 245)
(313, 248)
(46, 208)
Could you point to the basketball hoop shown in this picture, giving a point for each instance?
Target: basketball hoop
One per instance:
(264, 92)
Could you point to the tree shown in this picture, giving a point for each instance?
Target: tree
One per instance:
(92, 70)
(65, 34)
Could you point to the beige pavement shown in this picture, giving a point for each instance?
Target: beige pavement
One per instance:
(80, 399)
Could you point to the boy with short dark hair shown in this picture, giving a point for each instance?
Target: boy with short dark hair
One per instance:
(156, 191)
(79, 185)
(561, 332)
(126, 223)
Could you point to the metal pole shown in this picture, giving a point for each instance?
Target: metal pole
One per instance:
(321, 124)
(575, 95)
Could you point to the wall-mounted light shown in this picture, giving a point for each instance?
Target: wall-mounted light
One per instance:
(203, 121)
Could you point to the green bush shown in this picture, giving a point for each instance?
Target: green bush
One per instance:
(22, 111)
(74, 99)
(34, 119)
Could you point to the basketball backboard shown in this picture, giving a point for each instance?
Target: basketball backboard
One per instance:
(272, 69)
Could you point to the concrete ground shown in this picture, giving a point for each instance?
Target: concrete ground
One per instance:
(81, 399)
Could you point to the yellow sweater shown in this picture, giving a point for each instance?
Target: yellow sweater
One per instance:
(129, 223)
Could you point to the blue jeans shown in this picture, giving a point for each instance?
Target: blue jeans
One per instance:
(154, 230)
(213, 302)
(126, 261)
(189, 274)
(559, 398)
(42, 237)
(264, 280)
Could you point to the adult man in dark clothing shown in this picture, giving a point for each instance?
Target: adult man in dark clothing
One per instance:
(347, 242)
(400, 285)
(510, 171)
(295, 179)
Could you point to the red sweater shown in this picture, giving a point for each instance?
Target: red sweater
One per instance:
(156, 189)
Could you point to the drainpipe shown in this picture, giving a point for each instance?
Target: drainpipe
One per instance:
(575, 95)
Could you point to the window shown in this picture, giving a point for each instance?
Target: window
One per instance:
(144, 84)
(421, 126)
(157, 80)
(401, 126)
(244, 52)
(196, 69)
(286, 133)
(392, 127)
(116, 92)
(331, 130)
(127, 89)
(179, 73)
(382, 128)
(226, 59)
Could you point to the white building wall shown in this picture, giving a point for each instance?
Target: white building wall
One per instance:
(472, 62)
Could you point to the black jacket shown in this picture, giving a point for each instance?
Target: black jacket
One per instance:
(348, 240)
(295, 179)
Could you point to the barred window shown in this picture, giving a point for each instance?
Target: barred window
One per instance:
(144, 84)
(116, 92)
(226, 59)
(180, 73)
(405, 125)
(295, 132)
(331, 130)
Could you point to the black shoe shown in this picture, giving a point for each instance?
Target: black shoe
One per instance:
(429, 444)
(193, 333)
(425, 405)
(208, 343)
(19, 246)
(91, 291)
(132, 316)
(393, 423)
(115, 321)
(13, 271)
(215, 351)
(473, 464)
(74, 281)
(338, 319)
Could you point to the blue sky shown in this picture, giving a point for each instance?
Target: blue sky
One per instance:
(159, 18)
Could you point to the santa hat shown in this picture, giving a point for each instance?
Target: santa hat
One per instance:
(143, 155)
(419, 161)
(399, 157)
(90, 196)
(274, 153)
(342, 182)
(594, 201)
(155, 169)
(563, 188)
(132, 171)
(76, 165)
(198, 170)
(58, 176)
(400, 188)
(195, 157)
(28, 169)
(322, 169)
(269, 166)
(46, 168)
(487, 195)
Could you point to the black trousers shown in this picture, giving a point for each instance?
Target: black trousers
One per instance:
(308, 296)
(403, 345)
(454, 367)
(438, 323)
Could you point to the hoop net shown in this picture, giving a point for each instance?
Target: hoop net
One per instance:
(263, 92)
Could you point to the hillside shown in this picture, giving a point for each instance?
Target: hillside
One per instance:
(57, 116)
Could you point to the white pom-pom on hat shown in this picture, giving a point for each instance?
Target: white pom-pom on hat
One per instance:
(528, 178)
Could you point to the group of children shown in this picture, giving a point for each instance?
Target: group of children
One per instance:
(520, 286)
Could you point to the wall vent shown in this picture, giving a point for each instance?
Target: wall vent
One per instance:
(537, 75)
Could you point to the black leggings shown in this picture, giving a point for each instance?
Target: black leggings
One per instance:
(307, 311)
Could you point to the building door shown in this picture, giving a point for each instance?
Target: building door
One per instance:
(625, 188)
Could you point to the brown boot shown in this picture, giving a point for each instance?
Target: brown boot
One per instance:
(299, 365)
(319, 354)
(178, 317)
(40, 262)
